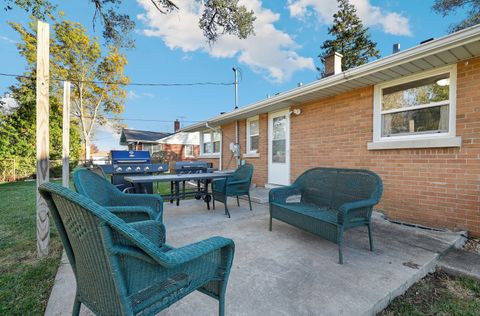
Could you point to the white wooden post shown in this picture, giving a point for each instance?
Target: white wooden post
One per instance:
(66, 135)
(43, 137)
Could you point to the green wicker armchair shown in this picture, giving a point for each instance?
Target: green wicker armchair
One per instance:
(130, 207)
(235, 185)
(125, 268)
(328, 201)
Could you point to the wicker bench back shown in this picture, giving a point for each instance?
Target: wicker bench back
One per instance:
(329, 187)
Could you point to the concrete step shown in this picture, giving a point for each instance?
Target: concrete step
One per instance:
(460, 262)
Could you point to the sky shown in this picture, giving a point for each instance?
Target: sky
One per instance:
(171, 49)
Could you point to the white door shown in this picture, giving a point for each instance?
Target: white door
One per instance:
(279, 148)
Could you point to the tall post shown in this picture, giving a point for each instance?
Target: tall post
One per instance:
(235, 71)
(237, 157)
(43, 137)
(66, 135)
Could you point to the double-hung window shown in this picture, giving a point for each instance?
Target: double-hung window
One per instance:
(211, 143)
(417, 111)
(252, 135)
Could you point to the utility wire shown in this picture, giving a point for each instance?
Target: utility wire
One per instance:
(206, 83)
(137, 119)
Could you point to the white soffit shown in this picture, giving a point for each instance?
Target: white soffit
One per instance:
(444, 51)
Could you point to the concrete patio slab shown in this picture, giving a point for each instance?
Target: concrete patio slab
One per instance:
(292, 272)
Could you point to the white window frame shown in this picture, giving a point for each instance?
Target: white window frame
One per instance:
(213, 154)
(193, 151)
(248, 151)
(424, 140)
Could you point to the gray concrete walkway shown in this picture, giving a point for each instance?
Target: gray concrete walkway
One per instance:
(289, 271)
(460, 262)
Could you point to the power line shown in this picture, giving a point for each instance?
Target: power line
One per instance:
(188, 84)
(137, 119)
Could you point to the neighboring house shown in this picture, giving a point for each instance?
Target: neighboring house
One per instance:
(141, 140)
(8, 104)
(413, 117)
(178, 146)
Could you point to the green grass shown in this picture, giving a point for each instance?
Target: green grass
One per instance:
(25, 280)
(438, 294)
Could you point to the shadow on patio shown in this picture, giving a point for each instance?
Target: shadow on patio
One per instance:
(289, 271)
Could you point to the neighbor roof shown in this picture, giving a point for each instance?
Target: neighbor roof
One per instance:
(132, 135)
(444, 51)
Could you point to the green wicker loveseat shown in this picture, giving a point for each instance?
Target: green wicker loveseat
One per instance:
(328, 201)
(130, 207)
(125, 268)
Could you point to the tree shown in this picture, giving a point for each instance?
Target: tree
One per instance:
(18, 128)
(97, 81)
(445, 7)
(219, 17)
(351, 39)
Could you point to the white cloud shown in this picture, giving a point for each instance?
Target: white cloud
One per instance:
(390, 22)
(7, 39)
(131, 95)
(270, 51)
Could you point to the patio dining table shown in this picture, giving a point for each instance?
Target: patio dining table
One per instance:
(175, 179)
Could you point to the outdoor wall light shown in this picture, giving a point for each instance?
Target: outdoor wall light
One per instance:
(295, 111)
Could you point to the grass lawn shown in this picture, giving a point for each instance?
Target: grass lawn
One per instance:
(25, 281)
(438, 294)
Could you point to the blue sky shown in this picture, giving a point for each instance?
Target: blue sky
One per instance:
(171, 49)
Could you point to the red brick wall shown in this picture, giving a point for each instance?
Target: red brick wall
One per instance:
(179, 150)
(260, 174)
(436, 187)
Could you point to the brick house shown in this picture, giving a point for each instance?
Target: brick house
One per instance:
(178, 146)
(413, 117)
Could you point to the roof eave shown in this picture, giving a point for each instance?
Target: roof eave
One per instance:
(444, 43)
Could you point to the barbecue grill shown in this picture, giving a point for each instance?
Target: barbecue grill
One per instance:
(133, 162)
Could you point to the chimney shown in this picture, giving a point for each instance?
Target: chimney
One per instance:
(396, 48)
(176, 125)
(333, 64)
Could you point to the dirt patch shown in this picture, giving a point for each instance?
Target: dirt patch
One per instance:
(473, 245)
(438, 294)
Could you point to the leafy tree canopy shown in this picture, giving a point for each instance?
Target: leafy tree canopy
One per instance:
(351, 39)
(219, 17)
(97, 79)
(446, 7)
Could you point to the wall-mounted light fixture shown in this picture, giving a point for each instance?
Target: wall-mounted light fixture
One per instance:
(295, 111)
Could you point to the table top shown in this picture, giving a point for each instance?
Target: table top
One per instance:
(177, 177)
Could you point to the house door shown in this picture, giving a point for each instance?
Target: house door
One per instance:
(279, 148)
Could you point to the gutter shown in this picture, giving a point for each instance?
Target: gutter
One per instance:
(446, 42)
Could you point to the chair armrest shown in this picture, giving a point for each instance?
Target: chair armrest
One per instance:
(129, 241)
(155, 202)
(146, 213)
(346, 210)
(280, 195)
(196, 250)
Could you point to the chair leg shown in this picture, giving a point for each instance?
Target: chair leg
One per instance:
(370, 236)
(213, 201)
(340, 246)
(238, 201)
(249, 202)
(270, 226)
(76, 306)
(226, 207)
(221, 306)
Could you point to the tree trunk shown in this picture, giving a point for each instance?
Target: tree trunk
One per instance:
(87, 149)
